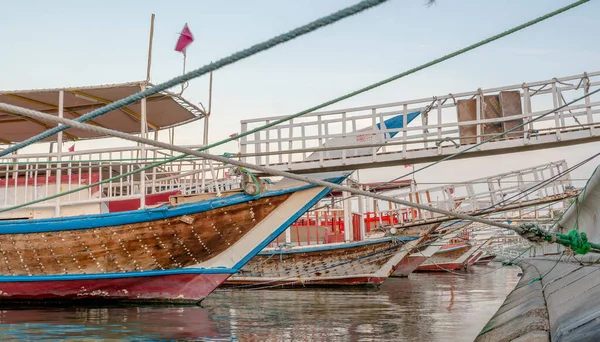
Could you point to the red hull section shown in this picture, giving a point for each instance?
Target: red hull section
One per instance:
(134, 204)
(408, 265)
(350, 281)
(439, 267)
(151, 289)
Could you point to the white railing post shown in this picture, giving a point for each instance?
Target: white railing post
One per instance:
(404, 131)
(588, 107)
(346, 205)
(556, 114)
(59, 143)
(143, 128)
(361, 212)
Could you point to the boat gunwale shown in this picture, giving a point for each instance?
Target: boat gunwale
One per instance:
(334, 246)
(53, 224)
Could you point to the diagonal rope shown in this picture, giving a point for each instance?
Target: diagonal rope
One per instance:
(178, 80)
(109, 132)
(474, 146)
(325, 104)
(285, 37)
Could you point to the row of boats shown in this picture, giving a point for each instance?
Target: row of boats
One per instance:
(159, 235)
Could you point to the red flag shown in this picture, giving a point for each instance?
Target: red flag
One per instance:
(185, 39)
(232, 135)
(407, 165)
(72, 148)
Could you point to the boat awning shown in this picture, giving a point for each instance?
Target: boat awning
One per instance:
(163, 110)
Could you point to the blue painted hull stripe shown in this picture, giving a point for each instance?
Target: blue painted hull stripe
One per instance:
(100, 276)
(131, 217)
(321, 248)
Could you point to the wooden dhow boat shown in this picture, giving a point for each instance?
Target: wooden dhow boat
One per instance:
(366, 262)
(178, 251)
(80, 246)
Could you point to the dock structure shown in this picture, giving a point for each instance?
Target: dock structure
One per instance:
(555, 300)
(433, 127)
(557, 297)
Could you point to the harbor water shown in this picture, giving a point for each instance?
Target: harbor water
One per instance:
(423, 307)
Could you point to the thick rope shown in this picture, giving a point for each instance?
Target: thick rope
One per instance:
(196, 73)
(285, 37)
(109, 132)
(436, 61)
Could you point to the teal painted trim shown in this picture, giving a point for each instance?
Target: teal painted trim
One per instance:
(98, 276)
(130, 217)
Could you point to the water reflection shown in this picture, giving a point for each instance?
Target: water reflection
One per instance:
(430, 307)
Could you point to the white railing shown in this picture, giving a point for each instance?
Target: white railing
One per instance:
(510, 192)
(536, 193)
(33, 177)
(445, 122)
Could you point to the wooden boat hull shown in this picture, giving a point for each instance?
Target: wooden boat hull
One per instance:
(174, 288)
(444, 266)
(408, 265)
(364, 263)
(485, 260)
(170, 254)
(417, 252)
(447, 259)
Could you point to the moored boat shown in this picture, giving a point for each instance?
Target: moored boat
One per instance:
(485, 259)
(173, 253)
(367, 262)
(450, 257)
(75, 229)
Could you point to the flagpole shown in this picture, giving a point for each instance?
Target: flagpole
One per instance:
(205, 135)
(150, 49)
(144, 120)
(184, 59)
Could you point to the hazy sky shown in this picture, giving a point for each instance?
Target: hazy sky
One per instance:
(72, 43)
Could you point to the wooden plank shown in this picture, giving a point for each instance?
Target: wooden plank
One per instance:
(491, 110)
(467, 111)
(510, 101)
(159, 244)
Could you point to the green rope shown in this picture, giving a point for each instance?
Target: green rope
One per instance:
(283, 38)
(575, 240)
(123, 102)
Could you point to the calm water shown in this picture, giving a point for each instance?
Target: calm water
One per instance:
(426, 307)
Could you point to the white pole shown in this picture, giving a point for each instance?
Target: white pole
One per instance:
(205, 136)
(143, 121)
(143, 152)
(348, 233)
(150, 49)
(288, 234)
(59, 143)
